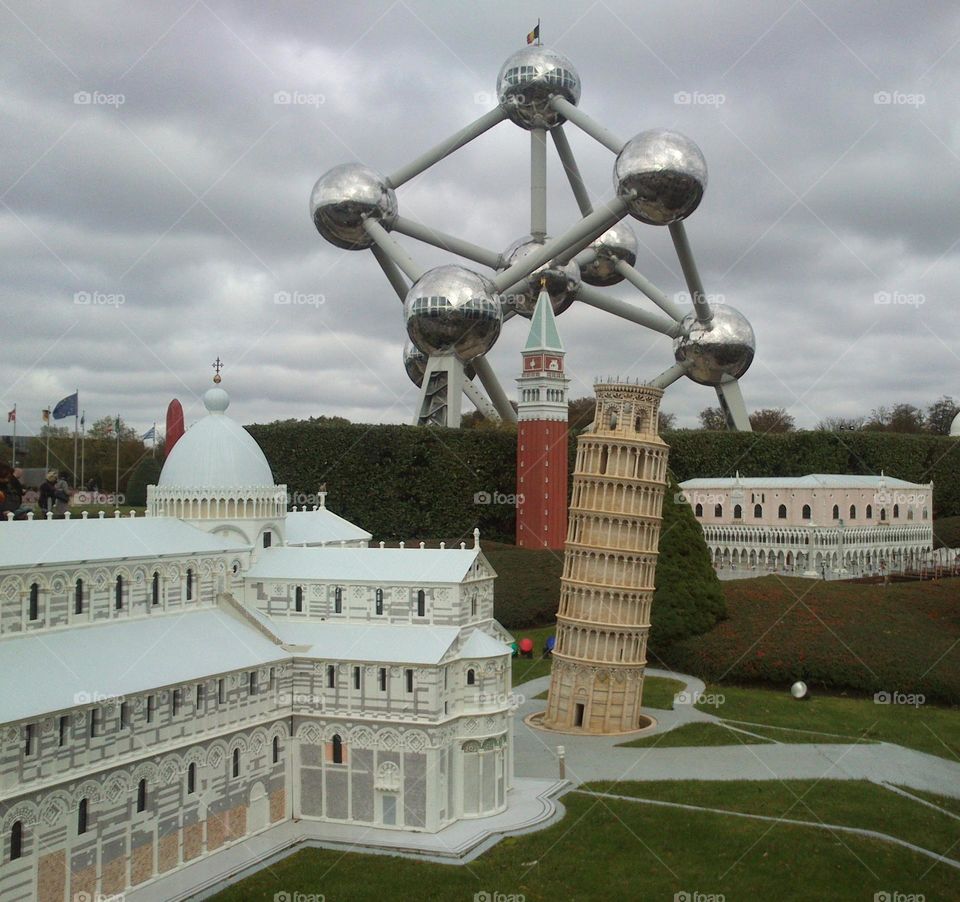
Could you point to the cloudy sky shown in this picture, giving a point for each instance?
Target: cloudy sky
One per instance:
(175, 199)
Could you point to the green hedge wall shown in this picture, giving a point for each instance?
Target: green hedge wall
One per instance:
(401, 482)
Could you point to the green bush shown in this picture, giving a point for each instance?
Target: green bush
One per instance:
(146, 473)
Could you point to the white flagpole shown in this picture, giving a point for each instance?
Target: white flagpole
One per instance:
(13, 456)
(116, 496)
(46, 422)
(76, 426)
(83, 436)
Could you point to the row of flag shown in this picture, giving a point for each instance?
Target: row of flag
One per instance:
(69, 407)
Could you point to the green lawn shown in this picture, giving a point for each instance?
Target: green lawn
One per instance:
(525, 669)
(607, 849)
(658, 692)
(943, 801)
(849, 803)
(694, 734)
(928, 728)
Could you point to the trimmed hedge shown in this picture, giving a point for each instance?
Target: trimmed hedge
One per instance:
(147, 473)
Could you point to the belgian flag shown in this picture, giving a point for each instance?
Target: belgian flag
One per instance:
(535, 34)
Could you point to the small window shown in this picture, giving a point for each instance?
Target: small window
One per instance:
(298, 599)
(356, 677)
(698, 510)
(155, 589)
(124, 715)
(331, 676)
(924, 514)
(338, 600)
(896, 512)
(118, 593)
(29, 734)
(189, 584)
(62, 731)
(421, 602)
(221, 691)
(471, 677)
(78, 597)
(82, 816)
(199, 699)
(379, 602)
(142, 795)
(337, 749)
(92, 724)
(253, 682)
(34, 601)
(883, 513)
(473, 606)
(806, 512)
(151, 707)
(869, 511)
(853, 512)
(409, 680)
(737, 512)
(718, 510)
(176, 702)
(383, 679)
(267, 539)
(757, 511)
(272, 679)
(276, 749)
(192, 778)
(836, 512)
(782, 512)
(236, 762)
(16, 840)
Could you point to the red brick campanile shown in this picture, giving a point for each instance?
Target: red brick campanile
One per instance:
(542, 435)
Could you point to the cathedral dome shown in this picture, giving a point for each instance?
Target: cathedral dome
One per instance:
(216, 453)
(955, 426)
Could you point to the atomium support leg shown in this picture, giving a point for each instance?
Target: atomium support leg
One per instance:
(397, 254)
(732, 404)
(638, 280)
(497, 395)
(481, 401)
(669, 376)
(596, 298)
(394, 276)
(446, 242)
(445, 148)
(689, 266)
(441, 393)
(582, 121)
(571, 169)
(538, 183)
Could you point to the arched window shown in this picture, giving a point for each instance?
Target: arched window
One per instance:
(267, 539)
(471, 677)
(737, 512)
(883, 513)
(718, 510)
(757, 511)
(836, 512)
(379, 596)
(276, 749)
(473, 605)
(337, 749)
(869, 511)
(192, 778)
(421, 602)
(698, 510)
(78, 597)
(782, 512)
(896, 512)
(924, 513)
(909, 513)
(142, 795)
(82, 816)
(189, 584)
(853, 512)
(16, 840)
(236, 762)
(118, 593)
(338, 600)
(806, 512)
(603, 460)
(155, 589)
(34, 601)
(298, 599)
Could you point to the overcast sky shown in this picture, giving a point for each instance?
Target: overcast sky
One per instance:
(177, 197)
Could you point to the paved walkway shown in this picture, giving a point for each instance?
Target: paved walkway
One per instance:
(598, 758)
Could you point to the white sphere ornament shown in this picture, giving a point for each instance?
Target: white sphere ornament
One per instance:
(799, 689)
(527, 81)
(662, 175)
(346, 195)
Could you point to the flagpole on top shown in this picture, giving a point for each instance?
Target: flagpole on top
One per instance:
(76, 424)
(46, 422)
(116, 495)
(13, 453)
(83, 435)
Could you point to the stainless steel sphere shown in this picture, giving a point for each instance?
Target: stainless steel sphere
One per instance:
(452, 308)
(666, 170)
(799, 689)
(724, 347)
(527, 81)
(343, 197)
(617, 243)
(563, 281)
(415, 363)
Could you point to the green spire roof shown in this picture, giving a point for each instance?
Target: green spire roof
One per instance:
(543, 327)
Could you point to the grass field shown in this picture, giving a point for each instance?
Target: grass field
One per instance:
(610, 849)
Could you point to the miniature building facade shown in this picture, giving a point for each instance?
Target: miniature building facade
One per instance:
(596, 684)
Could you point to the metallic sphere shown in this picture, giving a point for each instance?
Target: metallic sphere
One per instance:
(723, 347)
(563, 281)
(799, 689)
(666, 171)
(527, 81)
(343, 197)
(617, 243)
(452, 308)
(415, 363)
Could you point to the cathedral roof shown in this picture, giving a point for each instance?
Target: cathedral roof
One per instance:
(321, 526)
(543, 327)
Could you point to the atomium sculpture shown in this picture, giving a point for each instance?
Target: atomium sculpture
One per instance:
(454, 314)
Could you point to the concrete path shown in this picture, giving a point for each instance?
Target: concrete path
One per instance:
(598, 758)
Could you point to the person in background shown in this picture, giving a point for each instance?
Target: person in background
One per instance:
(48, 490)
(11, 491)
(62, 495)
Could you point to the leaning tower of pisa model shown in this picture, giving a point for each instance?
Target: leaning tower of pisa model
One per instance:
(609, 563)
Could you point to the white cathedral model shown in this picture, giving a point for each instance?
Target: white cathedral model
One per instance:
(179, 682)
